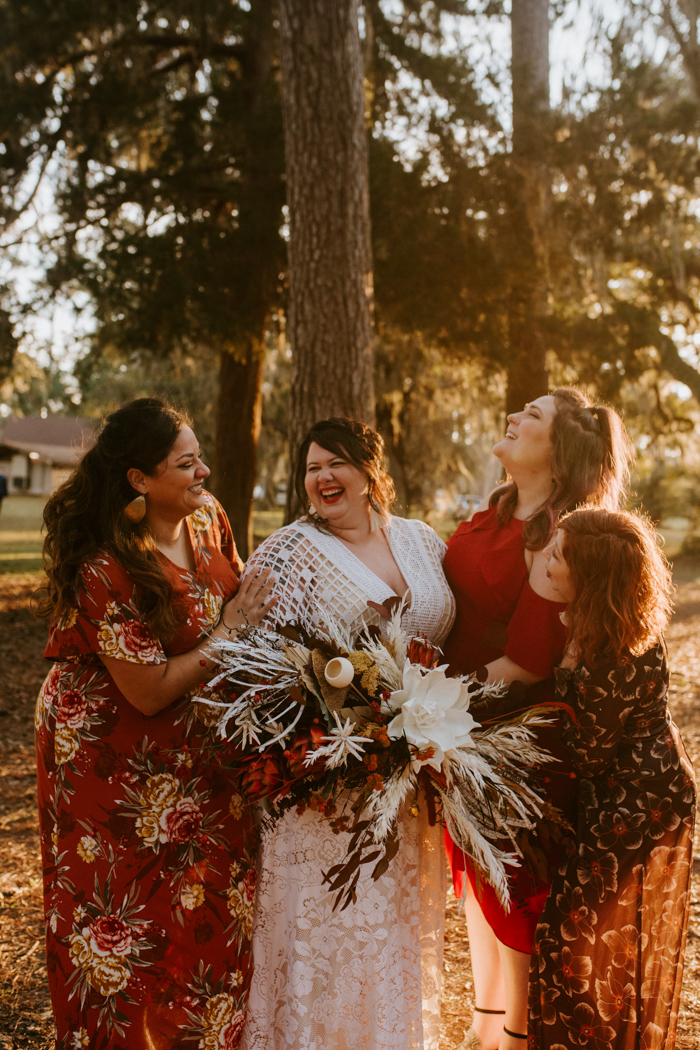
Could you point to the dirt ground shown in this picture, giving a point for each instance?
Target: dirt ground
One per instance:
(25, 1011)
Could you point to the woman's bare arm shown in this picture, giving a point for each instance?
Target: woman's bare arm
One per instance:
(151, 688)
(505, 670)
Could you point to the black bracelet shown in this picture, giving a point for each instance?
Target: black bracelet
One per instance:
(226, 626)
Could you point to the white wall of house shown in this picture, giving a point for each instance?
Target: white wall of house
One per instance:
(19, 472)
(40, 477)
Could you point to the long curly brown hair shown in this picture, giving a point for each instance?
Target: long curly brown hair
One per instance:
(87, 512)
(356, 442)
(622, 583)
(591, 456)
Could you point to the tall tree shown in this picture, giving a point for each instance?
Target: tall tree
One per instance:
(528, 276)
(161, 125)
(330, 260)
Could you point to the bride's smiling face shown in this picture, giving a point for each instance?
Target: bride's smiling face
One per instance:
(335, 486)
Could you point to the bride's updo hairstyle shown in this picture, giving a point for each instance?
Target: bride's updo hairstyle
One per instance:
(621, 581)
(591, 456)
(360, 445)
(87, 511)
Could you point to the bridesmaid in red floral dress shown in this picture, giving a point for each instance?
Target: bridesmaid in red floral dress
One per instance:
(149, 870)
(560, 451)
(607, 964)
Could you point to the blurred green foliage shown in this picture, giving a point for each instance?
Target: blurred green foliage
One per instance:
(169, 187)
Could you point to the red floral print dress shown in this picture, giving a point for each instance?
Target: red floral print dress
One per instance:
(607, 964)
(148, 858)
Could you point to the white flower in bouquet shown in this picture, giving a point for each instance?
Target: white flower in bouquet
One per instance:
(433, 713)
(341, 743)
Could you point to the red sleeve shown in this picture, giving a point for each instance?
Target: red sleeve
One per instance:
(228, 544)
(536, 635)
(105, 619)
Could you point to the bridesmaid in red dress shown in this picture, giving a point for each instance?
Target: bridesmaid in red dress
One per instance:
(148, 860)
(560, 452)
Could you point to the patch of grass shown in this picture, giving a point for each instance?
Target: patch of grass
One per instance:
(20, 535)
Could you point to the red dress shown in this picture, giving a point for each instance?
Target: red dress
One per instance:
(498, 614)
(148, 878)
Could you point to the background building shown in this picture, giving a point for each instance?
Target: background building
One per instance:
(37, 454)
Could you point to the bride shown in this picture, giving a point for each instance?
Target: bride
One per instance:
(368, 976)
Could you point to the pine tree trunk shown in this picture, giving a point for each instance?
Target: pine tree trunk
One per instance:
(529, 282)
(238, 418)
(330, 262)
(261, 196)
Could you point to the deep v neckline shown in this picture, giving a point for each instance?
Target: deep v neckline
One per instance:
(194, 549)
(407, 595)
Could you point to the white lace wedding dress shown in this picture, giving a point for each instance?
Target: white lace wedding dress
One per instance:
(368, 977)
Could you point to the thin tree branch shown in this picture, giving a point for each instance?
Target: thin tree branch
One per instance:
(174, 63)
(674, 364)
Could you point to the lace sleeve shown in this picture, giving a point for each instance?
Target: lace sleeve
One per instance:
(436, 546)
(292, 559)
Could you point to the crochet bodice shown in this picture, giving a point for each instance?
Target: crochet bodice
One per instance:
(314, 569)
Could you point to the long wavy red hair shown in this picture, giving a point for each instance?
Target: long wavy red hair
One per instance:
(622, 583)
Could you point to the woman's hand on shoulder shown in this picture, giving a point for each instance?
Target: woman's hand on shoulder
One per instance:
(150, 688)
(252, 602)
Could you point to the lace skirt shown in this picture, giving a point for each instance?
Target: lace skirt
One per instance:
(366, 978)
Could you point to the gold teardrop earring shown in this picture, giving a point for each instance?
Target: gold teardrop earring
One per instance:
(136, 510)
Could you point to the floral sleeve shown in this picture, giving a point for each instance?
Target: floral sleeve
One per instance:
(228, 544)
(603, 699)
(105, 620)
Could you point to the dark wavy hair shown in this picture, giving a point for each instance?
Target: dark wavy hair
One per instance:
(622, 583)
(591, 456)
(87, 512)
(360, 445)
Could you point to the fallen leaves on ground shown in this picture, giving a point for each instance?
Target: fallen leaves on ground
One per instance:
(25, 1009)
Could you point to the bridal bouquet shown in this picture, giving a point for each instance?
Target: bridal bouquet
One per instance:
(355, 728)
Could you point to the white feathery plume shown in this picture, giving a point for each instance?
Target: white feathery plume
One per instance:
(489, 793)
(487, 857)
(390, 673)
(336, 631)
(397, 643)
(383, 807)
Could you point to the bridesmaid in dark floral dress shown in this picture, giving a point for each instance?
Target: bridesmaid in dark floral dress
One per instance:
(149, 878)
(607, 963)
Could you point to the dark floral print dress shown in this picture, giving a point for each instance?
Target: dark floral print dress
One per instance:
(148, 859)
(607, 963)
